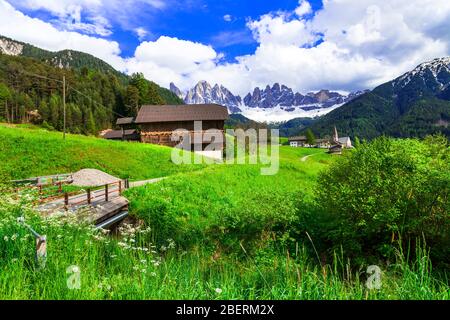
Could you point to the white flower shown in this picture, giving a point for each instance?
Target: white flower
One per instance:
(218, 290)
(153, 274)
(5, 238)
(75, 269)
(144, 270)
(14, 236)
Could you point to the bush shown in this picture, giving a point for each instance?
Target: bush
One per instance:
(385, 190)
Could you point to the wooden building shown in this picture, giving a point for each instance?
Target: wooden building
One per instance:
(157, 123)
(123, 134)
(300, 141)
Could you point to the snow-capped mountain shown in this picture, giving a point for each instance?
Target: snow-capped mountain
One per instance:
(435, 75)
(203, 92)
(276, 103)
(413, 105)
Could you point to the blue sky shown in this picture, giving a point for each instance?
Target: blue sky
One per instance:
(221, 24)
(308, 45)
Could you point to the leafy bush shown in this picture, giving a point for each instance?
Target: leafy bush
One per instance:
(388, 189)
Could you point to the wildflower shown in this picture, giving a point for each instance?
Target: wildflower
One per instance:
(144, 270)
(14, 236)
(218, 290)
(113, 256)
(144, 261)
(14, 260)
(153, 274)
(6, 238)
(135, 268)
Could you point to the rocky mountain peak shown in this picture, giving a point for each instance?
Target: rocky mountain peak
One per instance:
(10, 47)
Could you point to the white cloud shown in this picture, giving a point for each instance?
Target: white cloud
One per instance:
(141, 33)
(304, 8)
(92, 16)
(46, 36)
(227, 18)
(363, 43)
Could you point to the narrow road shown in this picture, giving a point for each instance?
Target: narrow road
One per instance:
(306, 157)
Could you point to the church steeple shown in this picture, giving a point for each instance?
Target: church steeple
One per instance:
(336, 136)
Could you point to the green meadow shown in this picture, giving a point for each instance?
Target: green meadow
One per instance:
(227, 232)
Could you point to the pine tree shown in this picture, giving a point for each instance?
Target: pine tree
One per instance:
(310, 138)
(90, 126)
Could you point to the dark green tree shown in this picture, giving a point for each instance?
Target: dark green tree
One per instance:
(310, 138)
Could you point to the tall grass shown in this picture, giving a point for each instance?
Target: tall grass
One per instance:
(131, 268)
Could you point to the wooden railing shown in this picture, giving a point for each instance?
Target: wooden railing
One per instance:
(88, 192)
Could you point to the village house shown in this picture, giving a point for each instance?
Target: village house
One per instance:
(323, 143)
(296, 142)
(157, 123)
(125, 135)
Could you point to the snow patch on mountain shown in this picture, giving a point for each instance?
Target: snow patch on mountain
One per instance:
(276, 103)
(435, 68)
(279, 113)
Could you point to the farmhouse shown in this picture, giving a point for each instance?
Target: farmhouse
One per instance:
(127, 135)
(300, 141)
(323, 143)
(157, 123)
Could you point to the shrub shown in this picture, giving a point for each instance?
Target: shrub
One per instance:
(388, 189)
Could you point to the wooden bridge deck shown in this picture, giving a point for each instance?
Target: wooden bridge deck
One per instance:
(96, 206)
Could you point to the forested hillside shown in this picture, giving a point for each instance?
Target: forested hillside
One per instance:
(96, 94)
(413, 105)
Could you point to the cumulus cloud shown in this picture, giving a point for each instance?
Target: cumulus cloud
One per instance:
(92, 16)
(46, 36)
(347, 45)
(304, 8)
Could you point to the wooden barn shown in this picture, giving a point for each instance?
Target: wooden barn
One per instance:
(157, 123)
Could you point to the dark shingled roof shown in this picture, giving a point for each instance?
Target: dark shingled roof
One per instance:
(191, 112)
(301, 138)
(122, 121)
(117, 134)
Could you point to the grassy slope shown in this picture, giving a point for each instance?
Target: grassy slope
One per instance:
(191, 207)
(114, 270)
(29, 152)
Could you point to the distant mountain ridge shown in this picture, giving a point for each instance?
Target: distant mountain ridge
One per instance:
(278, 100)
(413, 105)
